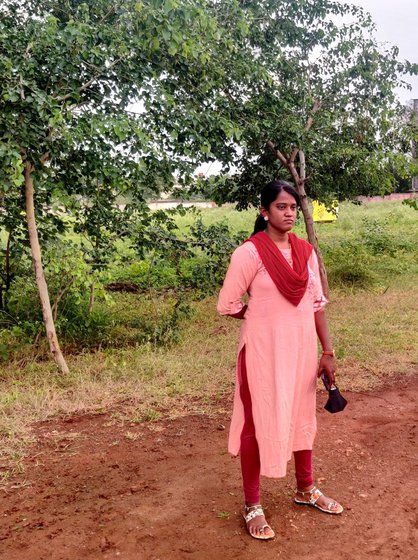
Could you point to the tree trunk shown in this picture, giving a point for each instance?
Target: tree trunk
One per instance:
(309, 223)
(299, 179)
(8, 275)
(39, 272)
(6, 278)
(91, 299)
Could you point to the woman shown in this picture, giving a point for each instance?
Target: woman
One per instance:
(274, 404)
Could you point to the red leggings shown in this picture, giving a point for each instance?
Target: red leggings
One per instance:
(250, 457)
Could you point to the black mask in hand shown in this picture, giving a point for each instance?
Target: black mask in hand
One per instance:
(336, 402)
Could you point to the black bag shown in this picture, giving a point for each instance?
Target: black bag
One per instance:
(336, 402)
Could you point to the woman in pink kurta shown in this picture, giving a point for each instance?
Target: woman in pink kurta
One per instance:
(277, 365)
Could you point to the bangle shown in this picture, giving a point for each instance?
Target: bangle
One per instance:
(328, 353)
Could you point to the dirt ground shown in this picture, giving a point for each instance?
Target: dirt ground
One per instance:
(169, 490)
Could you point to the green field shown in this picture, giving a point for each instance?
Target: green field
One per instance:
(371, 254)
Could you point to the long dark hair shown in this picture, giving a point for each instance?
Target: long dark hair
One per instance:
(268, 194)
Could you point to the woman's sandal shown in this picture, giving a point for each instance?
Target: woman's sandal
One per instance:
(256, 511)
(314, 495)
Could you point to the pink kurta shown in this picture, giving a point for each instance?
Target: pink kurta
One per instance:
(281, 358)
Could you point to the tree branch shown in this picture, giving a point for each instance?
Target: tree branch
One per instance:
(302, 166)
(60, 295)
(288, 161)
(44, 158)
(270, 146)
(22, 91)
(107, 14)
(293, 155)
(91, 81)
(315, 109)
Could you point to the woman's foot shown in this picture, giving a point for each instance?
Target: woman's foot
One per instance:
(256, 522)
(315, 498)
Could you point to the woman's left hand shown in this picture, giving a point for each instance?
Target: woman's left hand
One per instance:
(327, 363)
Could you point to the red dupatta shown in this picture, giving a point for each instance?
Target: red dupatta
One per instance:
(291, 282)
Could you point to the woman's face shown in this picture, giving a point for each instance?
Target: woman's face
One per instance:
(282, 212)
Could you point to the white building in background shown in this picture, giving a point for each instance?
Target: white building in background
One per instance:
(168, 203)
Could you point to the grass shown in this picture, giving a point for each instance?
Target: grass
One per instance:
(374, 334)
(403, 218)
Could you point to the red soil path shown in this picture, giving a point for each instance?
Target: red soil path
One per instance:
(169, 490)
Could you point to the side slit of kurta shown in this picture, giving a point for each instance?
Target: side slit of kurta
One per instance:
(249, 451)
(242, 371)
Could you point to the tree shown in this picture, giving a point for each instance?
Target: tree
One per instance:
(312, 95)
(264, 86)
(69, 71)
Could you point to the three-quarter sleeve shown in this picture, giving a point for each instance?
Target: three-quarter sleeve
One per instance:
(319, 300)
(241, 272)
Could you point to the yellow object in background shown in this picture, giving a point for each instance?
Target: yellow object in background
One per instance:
(323, 214)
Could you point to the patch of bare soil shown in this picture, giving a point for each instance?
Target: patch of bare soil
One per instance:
(169, 490)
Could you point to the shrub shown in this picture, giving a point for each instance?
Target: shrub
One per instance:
(376, 238)
(348, 265)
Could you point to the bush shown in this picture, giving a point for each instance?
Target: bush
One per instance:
(69, 281)
(195, 261)
(154, 273)
(171, 269)
(348, 265)
(376, 238)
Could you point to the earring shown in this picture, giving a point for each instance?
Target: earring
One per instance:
(266, 218)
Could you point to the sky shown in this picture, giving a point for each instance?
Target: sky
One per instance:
(397, 24)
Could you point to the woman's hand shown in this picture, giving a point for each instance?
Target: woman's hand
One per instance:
(327, 363)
